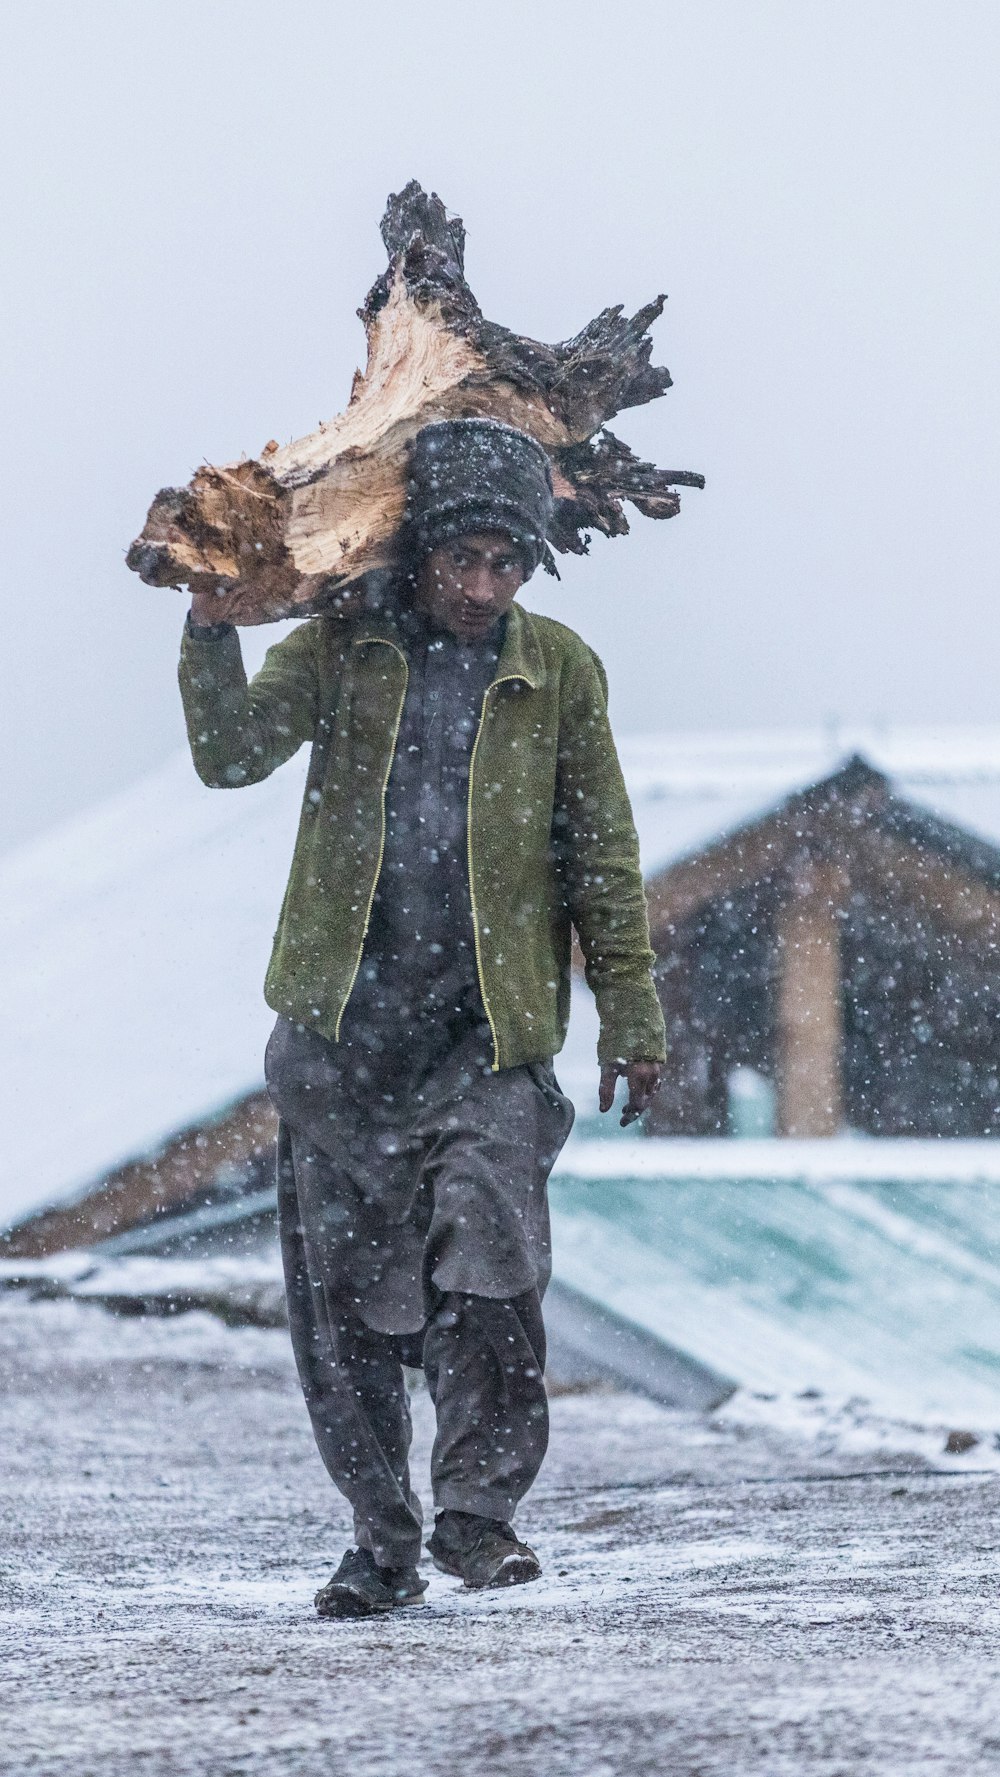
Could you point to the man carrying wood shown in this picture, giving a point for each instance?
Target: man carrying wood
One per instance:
(464, 810)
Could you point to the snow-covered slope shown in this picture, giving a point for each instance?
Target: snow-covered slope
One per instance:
(134, 941)
(687, 789)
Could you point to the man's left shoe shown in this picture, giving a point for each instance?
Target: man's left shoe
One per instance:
(481, 1551)
(359, 1588)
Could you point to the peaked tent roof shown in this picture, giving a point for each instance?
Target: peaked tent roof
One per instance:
(855, 815)
(687, 789)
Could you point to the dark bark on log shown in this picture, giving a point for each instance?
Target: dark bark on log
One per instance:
(297, 529)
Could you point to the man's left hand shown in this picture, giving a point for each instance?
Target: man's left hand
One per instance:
(643, 1083)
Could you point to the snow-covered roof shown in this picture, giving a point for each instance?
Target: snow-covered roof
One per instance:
(134, 938)
(687, 789)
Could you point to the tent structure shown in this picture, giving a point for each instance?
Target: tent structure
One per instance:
(845, 946)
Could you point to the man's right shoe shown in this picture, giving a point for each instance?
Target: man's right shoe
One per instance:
(359, 1588)
(481, 1551)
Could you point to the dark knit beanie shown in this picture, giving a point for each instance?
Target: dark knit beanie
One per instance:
(478, 475)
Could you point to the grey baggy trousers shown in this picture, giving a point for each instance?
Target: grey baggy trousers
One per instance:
(421, 1210)
(484, 1362)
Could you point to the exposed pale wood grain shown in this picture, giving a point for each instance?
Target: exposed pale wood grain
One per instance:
(299, 527)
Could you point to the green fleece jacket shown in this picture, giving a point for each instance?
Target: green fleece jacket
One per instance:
(551, 840)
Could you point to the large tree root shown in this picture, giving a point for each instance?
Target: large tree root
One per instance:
(297, 528)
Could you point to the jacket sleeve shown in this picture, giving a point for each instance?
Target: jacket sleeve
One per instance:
(598, 853)
(240, 733)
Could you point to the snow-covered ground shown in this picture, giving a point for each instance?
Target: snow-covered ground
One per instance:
(735, 1594)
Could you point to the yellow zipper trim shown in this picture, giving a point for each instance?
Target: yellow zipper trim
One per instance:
(381, 846)
(508, 679)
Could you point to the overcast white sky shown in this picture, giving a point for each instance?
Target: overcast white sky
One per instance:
(190, 220)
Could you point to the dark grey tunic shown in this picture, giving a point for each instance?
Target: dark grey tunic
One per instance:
(419, 962)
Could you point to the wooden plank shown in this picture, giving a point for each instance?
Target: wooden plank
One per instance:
(810, 1011)
(935, 890)
(150, 1186)
(824, 818)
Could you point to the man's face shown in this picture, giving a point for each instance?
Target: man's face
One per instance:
(465, 586)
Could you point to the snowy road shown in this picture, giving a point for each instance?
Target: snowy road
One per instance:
(711, 1603)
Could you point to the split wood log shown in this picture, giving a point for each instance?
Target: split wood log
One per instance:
(297, 529)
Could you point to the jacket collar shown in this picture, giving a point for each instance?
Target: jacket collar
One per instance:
(520, 657)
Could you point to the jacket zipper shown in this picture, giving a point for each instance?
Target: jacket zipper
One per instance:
(381, 843)
(508, 679)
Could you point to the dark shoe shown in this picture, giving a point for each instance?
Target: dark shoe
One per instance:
(481, 1551)
(361, 1589)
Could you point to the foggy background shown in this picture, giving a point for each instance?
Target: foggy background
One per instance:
(190, 221)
